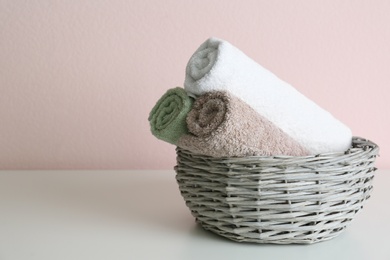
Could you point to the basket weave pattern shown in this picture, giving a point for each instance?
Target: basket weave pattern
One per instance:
(280, 199)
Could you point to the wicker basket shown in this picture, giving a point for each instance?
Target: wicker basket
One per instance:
(280, 200)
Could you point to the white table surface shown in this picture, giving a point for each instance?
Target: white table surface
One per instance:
(141, 215)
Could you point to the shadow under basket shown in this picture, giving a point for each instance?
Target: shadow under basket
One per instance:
(281, 199)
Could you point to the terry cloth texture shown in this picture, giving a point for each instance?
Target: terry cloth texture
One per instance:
(222, 125)
(218, 66)
(168, 117)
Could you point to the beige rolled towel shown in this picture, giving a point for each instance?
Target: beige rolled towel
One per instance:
(222, 125)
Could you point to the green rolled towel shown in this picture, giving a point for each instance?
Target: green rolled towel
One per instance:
(168, 117)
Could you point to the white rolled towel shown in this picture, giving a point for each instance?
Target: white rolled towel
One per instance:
(218, 65)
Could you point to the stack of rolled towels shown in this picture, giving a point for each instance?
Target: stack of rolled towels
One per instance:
(231, 106)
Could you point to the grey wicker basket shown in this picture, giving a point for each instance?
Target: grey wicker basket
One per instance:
(280, 200)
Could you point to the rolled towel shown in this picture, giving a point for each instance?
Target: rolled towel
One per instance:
(168, 117)
(222, 125)
(218, 65)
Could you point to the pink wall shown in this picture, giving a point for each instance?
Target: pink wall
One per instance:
(78, 78)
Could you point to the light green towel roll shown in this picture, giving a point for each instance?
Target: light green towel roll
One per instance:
(168, 117)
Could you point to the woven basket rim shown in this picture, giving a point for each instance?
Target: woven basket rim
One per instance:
(359, 145)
